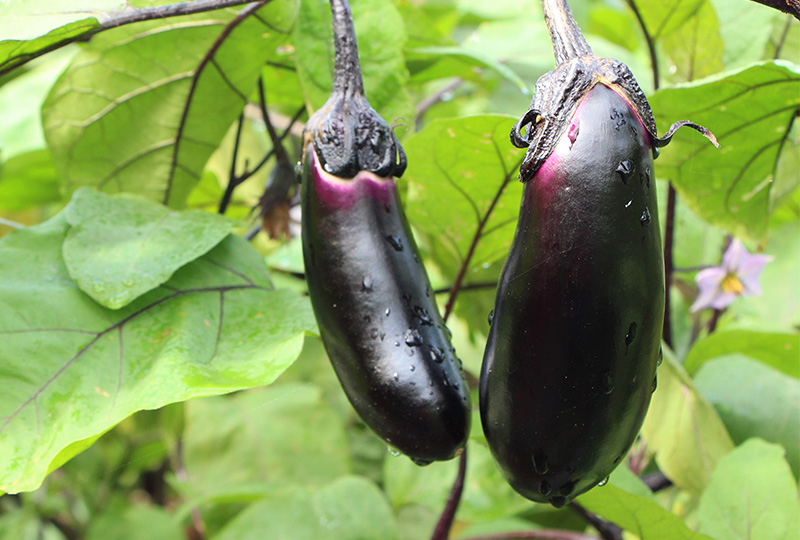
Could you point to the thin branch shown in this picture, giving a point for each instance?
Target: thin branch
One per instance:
(207, 58)
(541, 534)
(470, 287)
(782, 39)
(669, 235)
(122, 18)
(233, 181)
(442, 530)
(431, 100)
(792, 7)
(656, 481)
(198, 525)
(651, 46)
(608, 531)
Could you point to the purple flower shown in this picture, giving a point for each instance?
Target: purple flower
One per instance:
(738, 276)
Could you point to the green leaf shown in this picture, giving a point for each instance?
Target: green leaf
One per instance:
(750, 112)
(487, 496)
(119, 248)
(473, 58)
(282, 435)
(745, 28)
(381, 36)
(73, 369)
(351, 508)
(24, 524)
(683, 429)
(637, 514)
(28, 180)
(463, 196)
(751, 496)
(15, 52)
(779, 351)
(134, 523)
(695, 47)
(21, 100)
(142, 107)
(661, 17)
(754, 401)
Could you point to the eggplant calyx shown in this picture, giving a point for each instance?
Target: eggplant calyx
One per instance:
(664, 141)
(347, 134)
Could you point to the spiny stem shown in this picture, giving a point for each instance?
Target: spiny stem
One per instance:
(347, 70)
(568, 41)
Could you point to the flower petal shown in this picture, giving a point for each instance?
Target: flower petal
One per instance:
(734, 256)
(709, 287)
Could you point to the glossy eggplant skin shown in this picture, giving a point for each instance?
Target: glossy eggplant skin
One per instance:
(570, 362)
(377, 315)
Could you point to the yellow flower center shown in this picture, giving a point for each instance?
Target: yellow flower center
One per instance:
(732, 285)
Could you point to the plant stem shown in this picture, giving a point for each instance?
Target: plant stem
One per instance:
(233, 181)
(651, 46)
(792, 7)
(442, 530)
(541, 534)
(608, 531)
(568, 42)
(122, 18)
(669, 235)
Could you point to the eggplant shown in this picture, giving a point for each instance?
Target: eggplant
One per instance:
(570, 361)
(370, 293)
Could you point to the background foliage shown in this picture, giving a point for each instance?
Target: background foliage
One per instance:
(123, 295)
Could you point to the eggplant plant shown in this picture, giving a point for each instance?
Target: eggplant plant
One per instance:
(370, 293)
(571, 358)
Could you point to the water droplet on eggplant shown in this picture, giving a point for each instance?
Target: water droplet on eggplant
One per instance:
(603, 482)
(625, 169)
(540, 462)
(366, 284)
(491, 317)
(630, 336)
(645, 219)
(607, 381)
(395, 241)
(412, 338)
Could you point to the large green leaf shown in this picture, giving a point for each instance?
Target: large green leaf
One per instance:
(780, 351)
(626, 502)
(754, 401)
(351, 508)
(463, 196)
(751, 496)
(73, 369)
(119, 248)
(142, 107)
(750, 112)
(683, 429)
(381, 36)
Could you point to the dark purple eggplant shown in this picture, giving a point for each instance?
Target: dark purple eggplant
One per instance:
(570, 363)
(377, 316)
